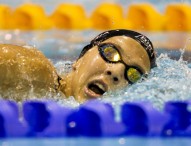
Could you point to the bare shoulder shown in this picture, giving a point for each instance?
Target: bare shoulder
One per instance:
(14, 51)
(20, 54)
(26, 67)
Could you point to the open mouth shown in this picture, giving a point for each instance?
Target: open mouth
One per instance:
(96, 89)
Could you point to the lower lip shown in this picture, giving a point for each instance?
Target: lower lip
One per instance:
(90, 94)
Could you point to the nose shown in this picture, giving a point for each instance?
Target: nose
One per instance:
(115, 72)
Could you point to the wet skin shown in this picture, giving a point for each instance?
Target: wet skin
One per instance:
(92, 69)
(24, 71)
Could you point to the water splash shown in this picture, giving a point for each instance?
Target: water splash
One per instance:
(170, 80)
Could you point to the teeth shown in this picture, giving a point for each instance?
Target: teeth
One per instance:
(100, 86)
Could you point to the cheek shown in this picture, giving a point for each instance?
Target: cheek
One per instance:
(88, 68)
(86, 71)
(94, 66)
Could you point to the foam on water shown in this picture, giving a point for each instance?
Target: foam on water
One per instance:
(170, 80)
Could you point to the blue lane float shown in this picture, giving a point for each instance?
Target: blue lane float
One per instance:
(93, 119)
(46, 118)
(180, 118)
(11, 125)
(142, 119)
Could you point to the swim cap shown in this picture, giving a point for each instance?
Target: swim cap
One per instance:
(140, 38)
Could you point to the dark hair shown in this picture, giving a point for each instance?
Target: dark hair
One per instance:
(140, 38)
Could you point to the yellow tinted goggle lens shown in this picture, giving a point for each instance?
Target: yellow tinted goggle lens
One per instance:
(133, 75)
(111, 54)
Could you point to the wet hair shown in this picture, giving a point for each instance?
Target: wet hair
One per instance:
(140, 38)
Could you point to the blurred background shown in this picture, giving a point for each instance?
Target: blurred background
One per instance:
(90, 4)
(73, 23)
(149, 15)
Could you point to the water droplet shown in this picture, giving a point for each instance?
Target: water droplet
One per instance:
(8, 36)
(72, 124)
(122, 141)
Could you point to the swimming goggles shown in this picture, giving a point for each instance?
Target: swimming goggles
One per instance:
(110, 54)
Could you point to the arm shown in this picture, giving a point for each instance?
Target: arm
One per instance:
(23, 70)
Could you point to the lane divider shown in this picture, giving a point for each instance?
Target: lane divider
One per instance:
(140, 16)
(30, 16)
(145, 17)
(70, 16)
(5, 15)
(178, 17)
(109, 16)
(94, 118)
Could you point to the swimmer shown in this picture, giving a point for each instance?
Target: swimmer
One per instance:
(112, 60)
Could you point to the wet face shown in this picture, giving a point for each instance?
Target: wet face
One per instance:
(92, 76)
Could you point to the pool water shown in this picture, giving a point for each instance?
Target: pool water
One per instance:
(169, 81)
(121, 141)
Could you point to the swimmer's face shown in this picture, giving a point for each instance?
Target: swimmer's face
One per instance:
(93, 76)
